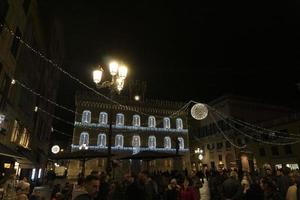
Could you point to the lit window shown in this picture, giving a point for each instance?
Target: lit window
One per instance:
(181, 143)
(24, 140)
(152, 142)
(151, 122)
(167, 123)
(120, 119)
(15, 132)
(33, 174)
(86, 116)
(84, 140)
(167, 142)
(101, 142)
(103, 118)
(179, 124)
(136, 120)
(136, 141)
(119, 141)
(40, 173)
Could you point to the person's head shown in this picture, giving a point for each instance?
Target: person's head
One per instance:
(25, 179)
(173, 183)
(128, 178)
(279, 172)
(267, 184)
(94, 173)
(268, 171)
(59, 196)
(22, 197)
(293, 176)
(91, 184)
(234, 175)
(186, 183)
(143, 176)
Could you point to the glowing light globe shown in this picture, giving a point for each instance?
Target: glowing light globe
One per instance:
(199, 111)
(200, 157)
(55, 149)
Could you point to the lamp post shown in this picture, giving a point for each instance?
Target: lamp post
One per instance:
(118, 75)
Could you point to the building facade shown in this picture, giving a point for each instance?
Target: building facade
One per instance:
(25, 133)
(232, 149)
(137, 126)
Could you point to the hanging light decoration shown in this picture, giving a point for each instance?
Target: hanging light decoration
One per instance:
(199, 111)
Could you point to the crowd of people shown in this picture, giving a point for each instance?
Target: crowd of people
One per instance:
(223, 184)
(280, 184)
(144, 186)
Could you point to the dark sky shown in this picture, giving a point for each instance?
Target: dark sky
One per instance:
(186, 50)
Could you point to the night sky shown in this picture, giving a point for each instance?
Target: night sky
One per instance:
(185, 50)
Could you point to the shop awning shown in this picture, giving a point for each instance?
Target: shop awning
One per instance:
(83, 154)
(151, 155)
(6, 151)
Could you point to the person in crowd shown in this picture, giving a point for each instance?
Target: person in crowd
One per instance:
(200, 174)
(173, 191)
(136, 190)
(216, 181)
(104, 187)
(23, 187)
(22, 197)
(186, 191)
(269, 189)
(55, 190)
(231, 187)
(292, 192)
(253, 191)
(78, 189)
(91, 189)
(282, 182)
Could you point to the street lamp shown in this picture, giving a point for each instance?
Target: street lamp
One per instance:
(118, 75)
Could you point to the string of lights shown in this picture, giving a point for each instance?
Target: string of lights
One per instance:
(53, 116)
(255, 128)
(15, 81)
(64, 71)
(60, 132)
(42, 97)
(255, 138)
(224, 135)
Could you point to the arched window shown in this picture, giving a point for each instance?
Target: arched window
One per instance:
(167, 142)
(119, 141)
(179, 124)
(86, 116)
(120, 119)
(136, 141)
(181, 143)
(152, 142)
(103, 118)
(167, 123)
(101, 142)
(136, 120)
(151, 122)
(84, 140)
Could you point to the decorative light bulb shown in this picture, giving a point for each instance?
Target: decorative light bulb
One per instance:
(199, 111)
(113, 68)
(97, 75)
(123, 71)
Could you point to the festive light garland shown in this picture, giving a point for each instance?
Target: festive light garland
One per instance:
(252, 127)
(224, 135)
(258, 140)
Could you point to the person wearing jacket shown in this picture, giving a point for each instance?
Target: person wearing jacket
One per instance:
(90, 190)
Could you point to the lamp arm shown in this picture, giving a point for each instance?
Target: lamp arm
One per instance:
(105, 84)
